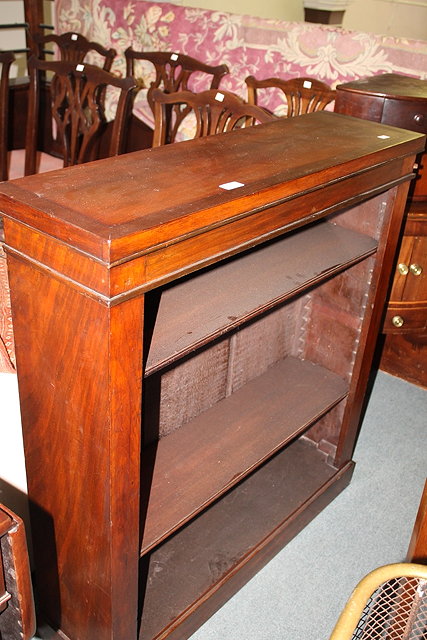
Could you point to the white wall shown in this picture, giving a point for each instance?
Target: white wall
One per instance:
(11, 457)
(405, 18)
(13, 484)
(291, 10)
(12, 11)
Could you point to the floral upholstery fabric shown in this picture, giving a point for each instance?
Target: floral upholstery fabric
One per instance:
(248, 45)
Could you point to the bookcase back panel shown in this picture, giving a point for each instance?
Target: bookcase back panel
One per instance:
(176, 396)
(262, 343)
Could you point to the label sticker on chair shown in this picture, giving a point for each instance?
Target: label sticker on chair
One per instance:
(219, 97)
(383, 137)
(74, 36)
(307, 84)
(231, 185)
(80, 67)
(174, 56)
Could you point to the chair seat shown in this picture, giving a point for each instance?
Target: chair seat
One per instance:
(44, 160)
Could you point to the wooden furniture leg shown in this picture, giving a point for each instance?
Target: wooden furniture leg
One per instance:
(417, 551)
(93, 353)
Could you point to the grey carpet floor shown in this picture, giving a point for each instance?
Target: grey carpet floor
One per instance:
(300, 593)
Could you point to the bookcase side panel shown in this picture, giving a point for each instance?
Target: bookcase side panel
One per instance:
(392, 207)
(81, 428)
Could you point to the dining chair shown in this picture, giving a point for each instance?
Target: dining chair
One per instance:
(213, 111)
(172, 72)
(74, 47)
(78, 111)
(6, 60)
(303, 95)
(390, 603)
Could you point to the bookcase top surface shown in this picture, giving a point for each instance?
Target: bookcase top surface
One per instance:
(131, 203)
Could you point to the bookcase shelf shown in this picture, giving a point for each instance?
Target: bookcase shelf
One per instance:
(204, 458)
(202, 307)
(214, 546)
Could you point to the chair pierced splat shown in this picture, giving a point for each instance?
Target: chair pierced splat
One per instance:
(78, 110)
(213, 112)
(303, 95)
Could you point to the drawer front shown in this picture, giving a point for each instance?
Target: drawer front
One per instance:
(410, 276)
(405, 114)
(359, 105)
(406, 318)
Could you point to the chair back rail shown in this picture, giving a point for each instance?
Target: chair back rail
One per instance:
(74, 47)
(172, 71)
(215, 111)
(303, 95)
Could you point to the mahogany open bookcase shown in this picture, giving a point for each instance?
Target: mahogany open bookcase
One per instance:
(193, 359)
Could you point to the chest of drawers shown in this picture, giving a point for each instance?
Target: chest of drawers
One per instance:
(401, 101)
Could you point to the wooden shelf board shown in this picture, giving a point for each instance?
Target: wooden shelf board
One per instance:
(186, 568)
(194, 465)
(202, 307)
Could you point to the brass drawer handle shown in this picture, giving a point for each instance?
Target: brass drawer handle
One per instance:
(402, 268)
(418, 117)
(397, 321)
(416, 269)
